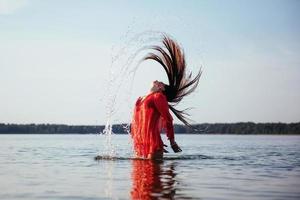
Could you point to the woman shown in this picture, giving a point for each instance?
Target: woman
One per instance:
(151, 113)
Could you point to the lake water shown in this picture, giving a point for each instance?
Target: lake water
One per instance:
(210, 167)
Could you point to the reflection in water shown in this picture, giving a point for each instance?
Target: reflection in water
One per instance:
(152, 179)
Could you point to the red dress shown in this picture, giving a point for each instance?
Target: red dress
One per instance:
(151, 114)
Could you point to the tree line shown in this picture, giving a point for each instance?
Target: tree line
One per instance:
(204, 128)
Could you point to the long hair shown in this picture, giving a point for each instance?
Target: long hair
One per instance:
(171, 57)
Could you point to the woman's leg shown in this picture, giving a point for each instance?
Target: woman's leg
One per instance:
(157, 155)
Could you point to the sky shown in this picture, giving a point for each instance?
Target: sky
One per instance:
(56, 59)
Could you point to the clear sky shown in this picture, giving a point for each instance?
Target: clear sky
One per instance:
(55, 58)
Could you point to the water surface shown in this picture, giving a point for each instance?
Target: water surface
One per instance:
(210, 167)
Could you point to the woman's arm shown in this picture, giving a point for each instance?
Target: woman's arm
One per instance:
(162, 106)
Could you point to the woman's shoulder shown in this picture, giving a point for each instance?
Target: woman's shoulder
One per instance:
(155, 96)
(159, 95)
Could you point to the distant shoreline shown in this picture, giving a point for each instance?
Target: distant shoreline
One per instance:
(128, 134)
(239, 128)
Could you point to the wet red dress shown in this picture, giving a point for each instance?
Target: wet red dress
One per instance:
(150, 116)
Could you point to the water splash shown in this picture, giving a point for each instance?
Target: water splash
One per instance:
(176, 157)
(125, 60)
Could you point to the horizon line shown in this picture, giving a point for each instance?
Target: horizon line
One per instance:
(278, 122)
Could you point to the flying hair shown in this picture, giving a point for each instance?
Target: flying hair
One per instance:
(171, 57)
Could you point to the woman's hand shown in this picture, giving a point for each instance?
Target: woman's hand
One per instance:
(165, 151)
(175, 146)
